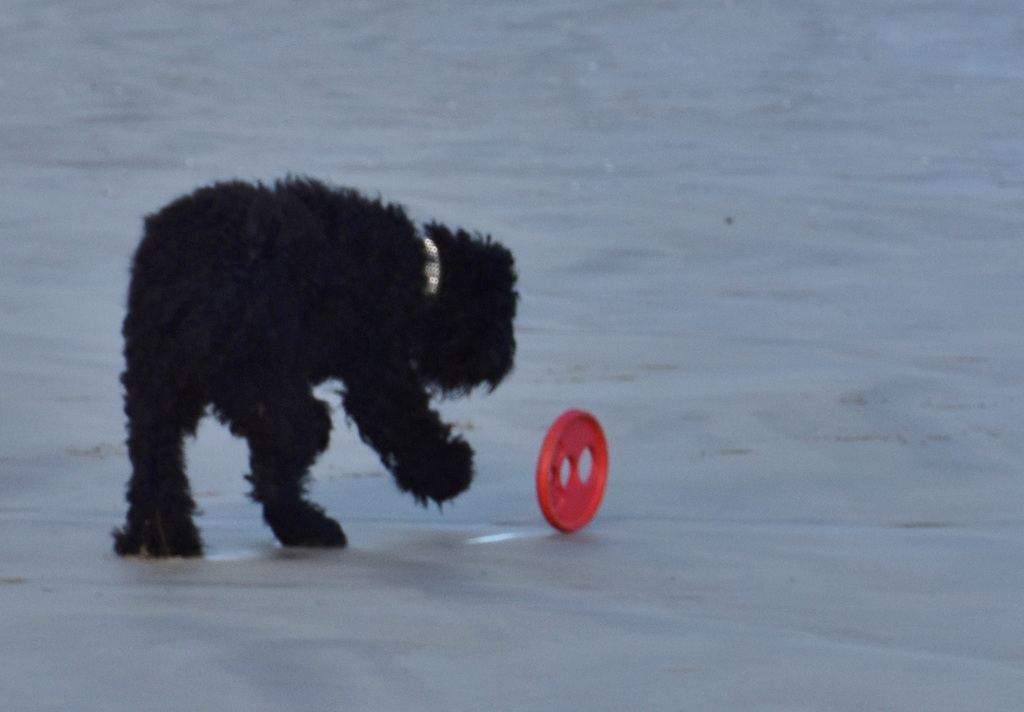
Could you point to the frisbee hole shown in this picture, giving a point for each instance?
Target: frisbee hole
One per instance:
(565, 472)
(586, 465)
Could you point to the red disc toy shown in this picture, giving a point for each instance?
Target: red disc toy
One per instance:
(569, 497)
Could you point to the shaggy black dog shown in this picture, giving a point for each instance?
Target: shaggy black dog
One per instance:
(243, 297)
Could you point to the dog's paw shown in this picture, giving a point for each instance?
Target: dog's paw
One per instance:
(304, 524)
(442, 474)
(158, 537)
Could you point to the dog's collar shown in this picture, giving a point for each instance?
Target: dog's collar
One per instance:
(432, 267)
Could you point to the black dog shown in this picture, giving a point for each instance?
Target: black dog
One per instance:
(246, 296)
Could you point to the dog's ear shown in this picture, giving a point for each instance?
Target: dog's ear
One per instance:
(470, 339)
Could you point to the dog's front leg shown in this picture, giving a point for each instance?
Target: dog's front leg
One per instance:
(393, 414)
(287, 428)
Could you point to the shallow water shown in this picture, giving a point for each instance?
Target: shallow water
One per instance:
(773, 247)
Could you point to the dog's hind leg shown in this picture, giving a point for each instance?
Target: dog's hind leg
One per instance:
(159, 521)
(287, 429)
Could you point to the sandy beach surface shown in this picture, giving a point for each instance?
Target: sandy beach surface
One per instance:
(775, 247)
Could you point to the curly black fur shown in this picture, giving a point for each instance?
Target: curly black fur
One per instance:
(243, 297)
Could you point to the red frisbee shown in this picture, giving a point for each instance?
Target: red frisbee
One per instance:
(569, 497)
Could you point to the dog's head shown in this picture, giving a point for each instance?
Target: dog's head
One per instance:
(469, 339)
